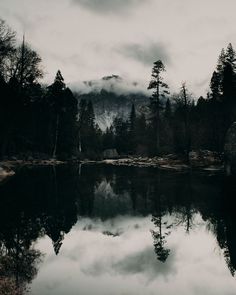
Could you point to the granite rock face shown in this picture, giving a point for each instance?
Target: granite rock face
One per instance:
(230, 150)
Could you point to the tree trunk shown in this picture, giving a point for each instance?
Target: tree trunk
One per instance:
(158, 131)
(56, 138)
(158, 121)
(186, 126)
(79, 143)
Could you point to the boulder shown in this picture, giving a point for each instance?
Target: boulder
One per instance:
(5, 172)
(110, 154)
(203, 158)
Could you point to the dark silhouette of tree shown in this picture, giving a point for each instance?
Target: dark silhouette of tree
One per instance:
(7, 45)
(24, 65)
(63, 118)
(56, 100)
(121, 130)
(159, 91)
(141, 135)
(90, 138)
(159, 235)
(221, 101)
(168, 111)
(108, 139)
(215, 113)
(132, 130)
(186, 112)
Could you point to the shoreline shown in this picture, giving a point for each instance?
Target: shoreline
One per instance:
(170, 162)
(161, 163)
(8, 168)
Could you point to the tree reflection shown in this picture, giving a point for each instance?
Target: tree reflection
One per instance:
(224, 223)
(160, 208)
(48, 201)
(41, 201)
(159, 239)
(18, 262)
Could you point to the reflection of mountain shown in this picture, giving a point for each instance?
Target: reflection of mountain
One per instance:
(104, 189)
(47, 201)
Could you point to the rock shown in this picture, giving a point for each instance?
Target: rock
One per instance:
(203, 158)
(5, 172)
(110, 154)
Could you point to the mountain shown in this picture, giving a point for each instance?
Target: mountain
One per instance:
(112, 97)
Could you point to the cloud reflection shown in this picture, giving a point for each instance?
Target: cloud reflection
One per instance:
(93, 263)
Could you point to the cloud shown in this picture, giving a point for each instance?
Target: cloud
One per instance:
(145, 261)
(113, 83)
(109, 6)
(146, 54)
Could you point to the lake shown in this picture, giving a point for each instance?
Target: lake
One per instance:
(109, 230)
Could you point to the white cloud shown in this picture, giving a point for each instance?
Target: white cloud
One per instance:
(81, 42)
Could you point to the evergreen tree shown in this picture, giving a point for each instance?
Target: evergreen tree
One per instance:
(222, 103)
(56, 100)
(186, 111)
(159, 90)
(141, 135)
(168, 111)
(82, 124)
(132, 129)
(63, 117)
(229, 86)
(121, 129)
(108, 139)
(90, 138)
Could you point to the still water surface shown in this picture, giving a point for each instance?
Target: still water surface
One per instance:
(118, 230)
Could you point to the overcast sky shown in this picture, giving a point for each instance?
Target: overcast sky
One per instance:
(88, 39)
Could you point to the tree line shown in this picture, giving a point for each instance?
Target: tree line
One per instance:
(38, 120)
(178, 122)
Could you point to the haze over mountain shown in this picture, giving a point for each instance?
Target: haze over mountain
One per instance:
(112, 96)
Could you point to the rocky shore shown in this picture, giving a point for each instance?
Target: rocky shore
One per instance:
(8, 167)
(204, 160)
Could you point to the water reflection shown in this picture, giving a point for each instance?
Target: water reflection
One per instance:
(63, 203)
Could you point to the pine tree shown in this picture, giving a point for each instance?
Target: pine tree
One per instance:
(132, 129)
(186, 110)
(215, 86)
(63, 117)
(141, 135)
(89, 133)
(121, 129)
(159, 90)
(56, 100)
(222, 103)
(168, 111)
